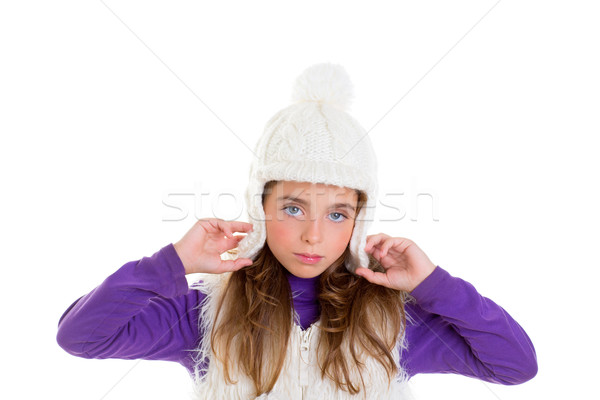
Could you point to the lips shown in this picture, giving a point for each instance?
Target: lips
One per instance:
(309, 255)
(306, 259)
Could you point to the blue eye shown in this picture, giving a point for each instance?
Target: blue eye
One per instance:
(341, 217)
(285, 208)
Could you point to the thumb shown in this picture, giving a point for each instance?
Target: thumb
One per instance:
(237, 264)
(365, 273)
(377, 278)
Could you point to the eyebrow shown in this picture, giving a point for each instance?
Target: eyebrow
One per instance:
(304, 202)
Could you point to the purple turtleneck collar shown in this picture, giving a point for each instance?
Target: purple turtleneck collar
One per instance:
(306, 303)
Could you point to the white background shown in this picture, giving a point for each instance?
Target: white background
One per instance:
(107, 108)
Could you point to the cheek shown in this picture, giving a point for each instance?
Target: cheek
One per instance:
(278, 232)
(343, 237)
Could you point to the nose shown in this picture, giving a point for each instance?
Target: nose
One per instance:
(312, 231)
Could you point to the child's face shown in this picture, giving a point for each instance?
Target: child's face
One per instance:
(313, 224)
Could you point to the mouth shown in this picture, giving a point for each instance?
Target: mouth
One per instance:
(308, 258)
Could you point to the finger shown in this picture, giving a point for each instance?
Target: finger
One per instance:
(375, 240)
(233, 241)
(387, 244)
(377, 278)
(399, 244)
(240, 226)
(215, 226)
(376, 252)
(234, 265)
(242, 263)
(225, 228)
(229, 227)
(227, 244)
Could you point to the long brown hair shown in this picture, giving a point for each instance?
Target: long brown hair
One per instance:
(255, 321)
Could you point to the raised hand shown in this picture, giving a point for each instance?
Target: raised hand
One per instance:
(201, 247)
(405, 264)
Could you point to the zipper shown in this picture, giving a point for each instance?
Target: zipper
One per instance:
(305, 356)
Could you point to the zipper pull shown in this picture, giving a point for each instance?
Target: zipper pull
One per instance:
(305, 356)
(305, 340)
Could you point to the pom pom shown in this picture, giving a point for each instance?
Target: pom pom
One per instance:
(324, 83)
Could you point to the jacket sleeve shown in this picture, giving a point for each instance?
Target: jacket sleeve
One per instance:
(145, 310)
(453, 329)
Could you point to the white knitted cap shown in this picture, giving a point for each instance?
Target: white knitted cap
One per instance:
(314, 140)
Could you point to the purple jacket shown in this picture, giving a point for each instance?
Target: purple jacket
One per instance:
(147, 310)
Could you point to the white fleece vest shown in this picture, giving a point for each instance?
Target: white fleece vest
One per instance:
(300, 377)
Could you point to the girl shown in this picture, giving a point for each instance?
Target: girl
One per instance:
(303, 304)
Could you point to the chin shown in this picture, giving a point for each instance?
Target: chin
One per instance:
(305, 271)
(306, 274)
